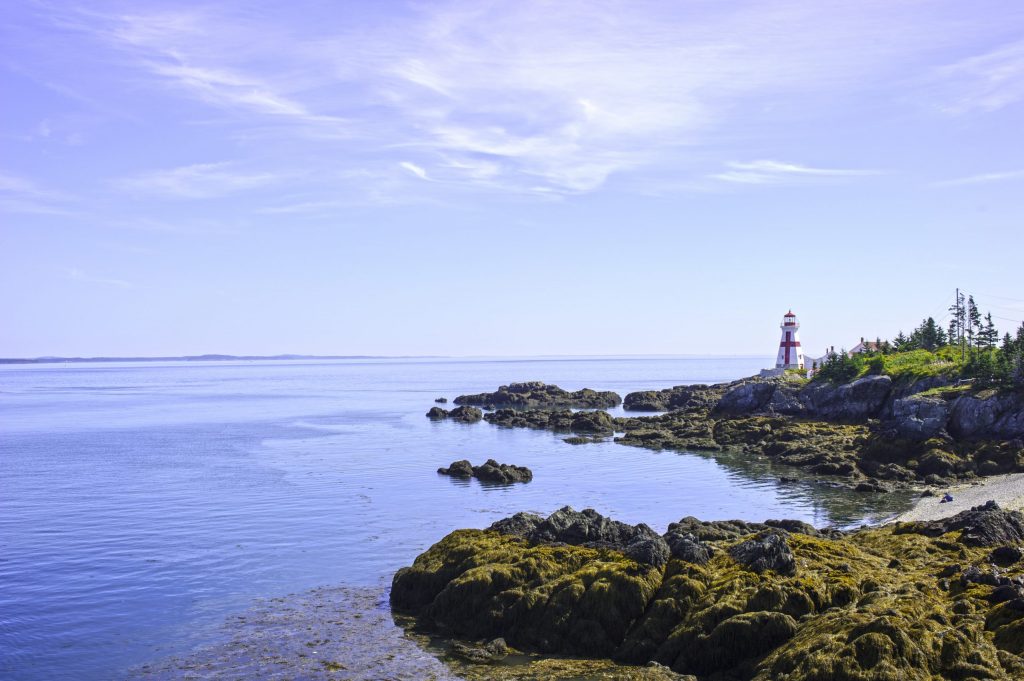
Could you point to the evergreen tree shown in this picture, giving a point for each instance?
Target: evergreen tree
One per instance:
(988, 335)
(899, 343)
(973, 321)
(957, 313)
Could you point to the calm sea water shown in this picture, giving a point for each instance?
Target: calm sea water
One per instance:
(143, 504)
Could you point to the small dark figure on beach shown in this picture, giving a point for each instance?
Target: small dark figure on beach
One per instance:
(946, 498)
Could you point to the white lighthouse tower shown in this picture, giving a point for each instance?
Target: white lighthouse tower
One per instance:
(791, 355)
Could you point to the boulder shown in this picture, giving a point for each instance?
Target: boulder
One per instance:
(851, 402)
(1000, 416)
(685, 546)
(492, 471)
(437, 414)
(985, 525)
(598, 422)
(458, 469)
(767, 551)
(746, 398)
(488, 653)
(442, 400)
(465, 414)
(918, 418)
(590, 529)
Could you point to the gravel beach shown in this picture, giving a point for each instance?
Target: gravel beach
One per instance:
(1006, 490)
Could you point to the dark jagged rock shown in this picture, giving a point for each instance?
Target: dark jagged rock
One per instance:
(442, 400)
(437, 414)
(490, 471)
(985, 525)
(520, 525)
(685, 546)
(1006, 555)
(746, 398)
(535, 394)
(681, 397)
(465, 414)
(458, 469)
(591, 529)
(767, 551)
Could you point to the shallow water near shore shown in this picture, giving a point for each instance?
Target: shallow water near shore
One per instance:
(145, 507)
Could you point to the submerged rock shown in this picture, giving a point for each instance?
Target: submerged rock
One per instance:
(534, 394)
(442, 400)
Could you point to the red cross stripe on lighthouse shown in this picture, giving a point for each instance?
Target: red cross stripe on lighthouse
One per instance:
(789, 343)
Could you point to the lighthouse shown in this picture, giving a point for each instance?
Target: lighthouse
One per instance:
(791, 355)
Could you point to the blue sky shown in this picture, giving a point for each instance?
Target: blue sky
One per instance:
(503, 178)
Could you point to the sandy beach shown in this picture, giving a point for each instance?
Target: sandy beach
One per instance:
(1006, 490)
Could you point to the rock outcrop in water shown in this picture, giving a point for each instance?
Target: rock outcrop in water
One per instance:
(872, 434)
(882, 603)
(534, 394)
(490, 471)
(461, 414)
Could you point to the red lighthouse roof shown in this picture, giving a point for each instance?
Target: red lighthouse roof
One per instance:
(790, 313)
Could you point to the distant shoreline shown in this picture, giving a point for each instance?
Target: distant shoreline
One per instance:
(229, 358)
(186, 358)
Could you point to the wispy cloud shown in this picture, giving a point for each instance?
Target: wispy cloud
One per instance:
(198, 181)
(776, 172)
(21, 195)
(983, 178)
(539, 98)
(414, 169)
(76, 274)
(987, 82)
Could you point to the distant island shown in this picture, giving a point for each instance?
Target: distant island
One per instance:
(186, 358)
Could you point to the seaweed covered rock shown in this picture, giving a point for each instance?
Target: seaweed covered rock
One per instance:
(557, 420)
(465, 414)
(568, 599)
(437, 414)
(490, 471)
(985, 525)
(535, 394)
(458, 469)
(872, 604)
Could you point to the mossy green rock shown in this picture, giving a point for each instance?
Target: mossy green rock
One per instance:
(566, 599)
(874, 605)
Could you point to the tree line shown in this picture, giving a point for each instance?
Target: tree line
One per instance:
(970, 341)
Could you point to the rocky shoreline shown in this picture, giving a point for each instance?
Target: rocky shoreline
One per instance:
(872, 434)
(737, 600)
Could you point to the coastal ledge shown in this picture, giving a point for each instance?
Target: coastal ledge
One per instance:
(736, 600)
(872, 433)
(536, 394)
